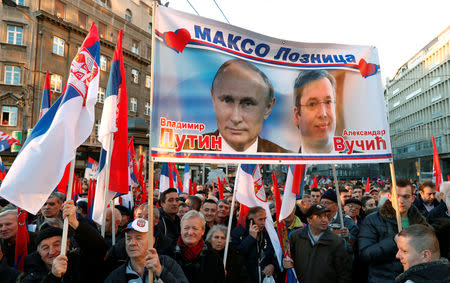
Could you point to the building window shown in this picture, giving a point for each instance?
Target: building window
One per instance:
(103, 63)
(56, 83)
(15, 35)
(82, 20)
(9, 116)
(147, 109)
(149, 28)
(60, 9)
(135, 46)
(101, 95)
(135, 76)
(149, 51)
(148, 81)
(133, 104)
(128, 15)
(58, 46)
(101, 29)
(12, 75)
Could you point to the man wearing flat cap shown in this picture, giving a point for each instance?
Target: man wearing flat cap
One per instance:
(318, 255)
(83, 264)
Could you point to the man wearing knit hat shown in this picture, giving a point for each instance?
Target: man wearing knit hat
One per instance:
(350, 230)
(84, 264)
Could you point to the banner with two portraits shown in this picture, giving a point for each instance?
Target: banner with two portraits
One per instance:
(222, 94)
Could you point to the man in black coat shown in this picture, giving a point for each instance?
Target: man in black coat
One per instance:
(169, 222)
(143, 258)
(254, 244)
(426, 199)
(85, 264)
(418, 251)
(376, 242)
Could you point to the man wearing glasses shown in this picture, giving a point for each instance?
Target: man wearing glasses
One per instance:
(315, 110)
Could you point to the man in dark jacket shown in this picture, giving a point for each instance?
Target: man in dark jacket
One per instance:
(169, 222)
(426, 200)
(376, 242)
(47, 264)
(254, 244)
(318, 255)
(142, 258)
(418, 251)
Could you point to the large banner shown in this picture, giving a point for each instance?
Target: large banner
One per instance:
(223, 94)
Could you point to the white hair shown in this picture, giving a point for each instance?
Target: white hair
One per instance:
(194, 214)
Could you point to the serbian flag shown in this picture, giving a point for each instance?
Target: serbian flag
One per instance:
(113, 129)
(186, 178)
(54, 140)
(6, 141)
(250, 192)
(314, 183)
(367, 190)
(46, 97)
(91, 169)
(294, 187)
(437, 174)
(91, 196)
(2, 170)
(22, 240)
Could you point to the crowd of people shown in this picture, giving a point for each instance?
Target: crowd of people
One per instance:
(190, 236)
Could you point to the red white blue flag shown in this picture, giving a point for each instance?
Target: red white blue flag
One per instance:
(114, 124)
(250, 192)
(295, 181)
(54, 140)
(2, 170)
(46, 97)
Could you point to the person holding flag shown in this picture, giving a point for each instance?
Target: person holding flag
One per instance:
(113, 134)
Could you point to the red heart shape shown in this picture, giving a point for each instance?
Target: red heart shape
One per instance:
(367, 69)
(177, 40)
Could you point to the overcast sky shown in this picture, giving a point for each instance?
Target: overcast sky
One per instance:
(398, 28)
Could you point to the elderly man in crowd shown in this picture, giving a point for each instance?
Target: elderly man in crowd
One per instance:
(47, 264)
(418, 251)
(198, 260)
(141, 258)
(8, 233)
(51, 208)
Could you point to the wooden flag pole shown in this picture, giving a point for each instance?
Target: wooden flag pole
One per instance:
(68, 197)
(338, 194)
(151, 165)
(230, 221)
(395, 197)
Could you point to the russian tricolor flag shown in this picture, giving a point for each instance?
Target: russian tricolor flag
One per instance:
(54, 140)
(46, 97)
(113, 128)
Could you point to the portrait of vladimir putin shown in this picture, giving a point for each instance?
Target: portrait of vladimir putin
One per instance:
(242, 98)
(315, 110)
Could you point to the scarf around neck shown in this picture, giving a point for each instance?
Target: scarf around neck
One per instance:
(190, 252)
